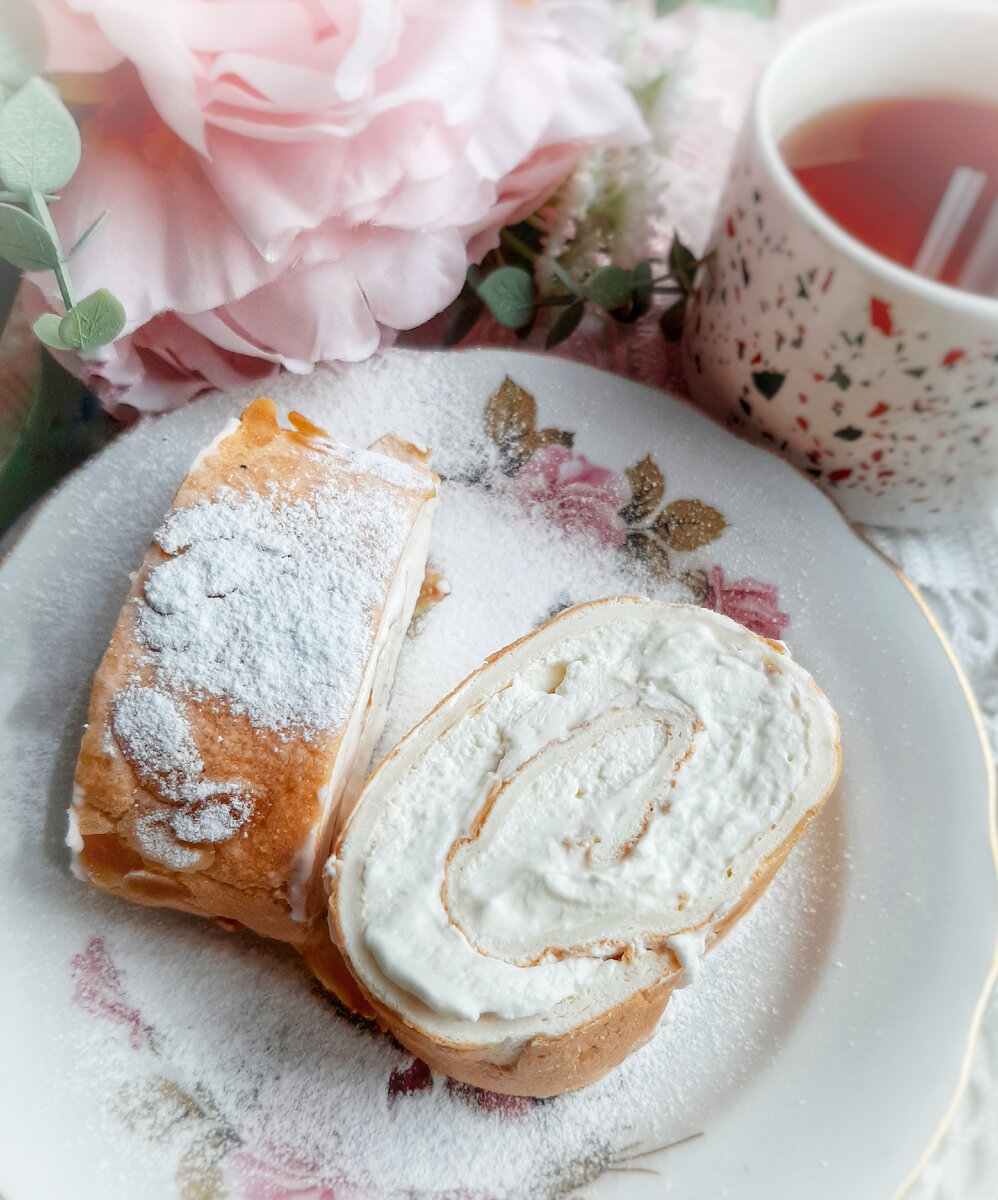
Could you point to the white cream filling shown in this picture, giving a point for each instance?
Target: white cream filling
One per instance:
(669, 758)
(74, 839)
(366, 723)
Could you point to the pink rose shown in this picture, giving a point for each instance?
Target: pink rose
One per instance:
(288, 179)
(276, 1175)
(98, 991)
(754, 604)
(570, 491)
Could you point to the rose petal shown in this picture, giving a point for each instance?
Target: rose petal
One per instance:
(161, 247)
(74, 40)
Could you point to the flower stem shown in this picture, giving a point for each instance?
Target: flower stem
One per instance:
(39, 210)
(521, 248)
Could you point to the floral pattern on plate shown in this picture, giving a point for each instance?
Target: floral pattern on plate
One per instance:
(628, 513)
(621, 511)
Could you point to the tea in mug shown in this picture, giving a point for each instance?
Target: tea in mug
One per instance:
(915, 178)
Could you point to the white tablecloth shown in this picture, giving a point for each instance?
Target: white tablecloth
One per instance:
(957, 572)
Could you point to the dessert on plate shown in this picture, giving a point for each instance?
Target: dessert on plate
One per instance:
(527, 876)
(234, 713)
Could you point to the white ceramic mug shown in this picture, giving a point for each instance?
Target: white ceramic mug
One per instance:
(880, 383)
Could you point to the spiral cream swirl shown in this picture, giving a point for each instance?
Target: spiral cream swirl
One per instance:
(618, 778)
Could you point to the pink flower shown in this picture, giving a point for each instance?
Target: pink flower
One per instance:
(403, 1081)
(572, 492)
(492, 1102)
(98, 991)
(287, 179)
(274, 1176)
(754, 604)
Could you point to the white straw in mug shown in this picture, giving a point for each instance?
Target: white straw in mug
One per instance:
(962, 193)
(980, 271)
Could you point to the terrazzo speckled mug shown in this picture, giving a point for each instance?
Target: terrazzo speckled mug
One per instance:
(882, 385)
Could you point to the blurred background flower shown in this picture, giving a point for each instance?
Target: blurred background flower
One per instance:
(290, 181)
(293, 182)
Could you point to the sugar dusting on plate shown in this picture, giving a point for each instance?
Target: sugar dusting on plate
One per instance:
(247, 1081)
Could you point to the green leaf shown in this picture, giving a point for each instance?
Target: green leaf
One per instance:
(85, 237)
(509, 294)
(39, 141)
(526, 330)
(682, 264)
(48, 423)
(641, 281)
(559, 272)
(609, 287)
(24, 240)
(566, 324)
(462, 319)
(641, 295)
(46, 329)
(96, 320)
(22, 43)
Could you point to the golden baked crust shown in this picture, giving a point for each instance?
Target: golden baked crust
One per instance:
(245, 877)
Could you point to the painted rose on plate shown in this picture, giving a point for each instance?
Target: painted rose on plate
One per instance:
(574, 493)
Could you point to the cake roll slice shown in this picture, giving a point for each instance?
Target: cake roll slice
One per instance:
(235, 711)
(526, 877)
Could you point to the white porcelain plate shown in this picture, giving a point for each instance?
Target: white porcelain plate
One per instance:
(145, 1053)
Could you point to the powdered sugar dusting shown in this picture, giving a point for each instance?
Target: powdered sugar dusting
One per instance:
(156, 739)
(382, 466)
(270, 605)
(159, 844)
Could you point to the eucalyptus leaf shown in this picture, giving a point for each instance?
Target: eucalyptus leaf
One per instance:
(559, 272)
(96, 320)
(642, 282)
(22, 43)
(61, 427)
(566, 324)
(509, 294)
(85, 237)
(682, 264)
(46, 329)
(671, 321)
(524, 331)
(609, 287)
(24, 240)
(462, 319)
(39, 141)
